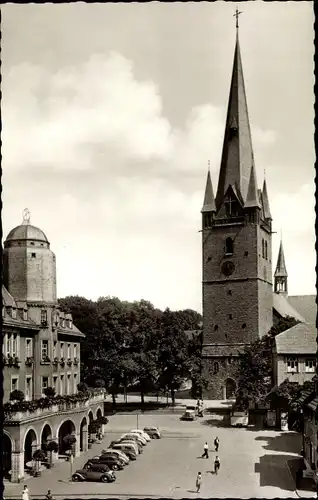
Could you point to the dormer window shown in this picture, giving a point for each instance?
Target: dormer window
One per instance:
(3, 311)
(25, 314)
(69, 323)
(229, 246)
(14, 313)
(62, 322)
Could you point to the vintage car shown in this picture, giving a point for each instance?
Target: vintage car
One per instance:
(141, 433)
(94, 472)
(131, 450)
(115, 453)
(190, 413)
(153, 432)
(137, 437)
(114, 463)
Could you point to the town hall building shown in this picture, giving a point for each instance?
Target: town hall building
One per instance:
(240, 303)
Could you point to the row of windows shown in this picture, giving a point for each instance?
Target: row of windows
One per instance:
(11, 347)
(63, 350)
(62, 385)
(12, 311)
(293, 365)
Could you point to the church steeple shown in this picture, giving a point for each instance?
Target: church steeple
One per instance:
(209, 202)
(237, 154)
(280, 276)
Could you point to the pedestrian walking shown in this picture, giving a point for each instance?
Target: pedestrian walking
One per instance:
(198, 481)
(206, 450)
(25, 493)
(217, 465)
(216, 444)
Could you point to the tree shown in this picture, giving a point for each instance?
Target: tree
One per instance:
(255, 367)
(52, 447)
(281, 396)
(173, 361)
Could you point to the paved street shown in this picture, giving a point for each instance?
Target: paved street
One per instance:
(253, 463)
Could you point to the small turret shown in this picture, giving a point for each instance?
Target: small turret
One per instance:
(252, 200)
(280, 276)
(208, 210)
(267, 212)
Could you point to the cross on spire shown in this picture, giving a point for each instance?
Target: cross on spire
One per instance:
(237, 13)
(209, 164)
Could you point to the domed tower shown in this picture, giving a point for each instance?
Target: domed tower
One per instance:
(29, 268)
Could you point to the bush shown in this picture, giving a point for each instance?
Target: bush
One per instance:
(69, 440)
(103, 420)
(52, 446)
(49, 392)
(17, 395)
(39, 456)
(82, 387)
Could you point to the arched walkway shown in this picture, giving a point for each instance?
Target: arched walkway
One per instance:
(90, 416)
(230, 387)
(6, 456)
(66, 428)
(99, 413)
(83, 435)
(46, 436)
(30, 445)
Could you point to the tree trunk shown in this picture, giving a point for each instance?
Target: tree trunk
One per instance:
(114, 398)
(173, 396)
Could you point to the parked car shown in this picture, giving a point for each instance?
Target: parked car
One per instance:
(142, 433)
(137, 447)
(128, 448)
(135, 436)
(95, 472)
(116, 453)
(153, 432)
(132, 441)
(114, 463)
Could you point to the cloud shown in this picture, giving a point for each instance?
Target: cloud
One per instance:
(98, 115)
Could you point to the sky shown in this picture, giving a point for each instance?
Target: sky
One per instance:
(110, 114)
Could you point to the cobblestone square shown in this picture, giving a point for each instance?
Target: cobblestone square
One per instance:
(253, 463)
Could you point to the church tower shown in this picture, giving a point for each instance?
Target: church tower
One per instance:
(236, 250)
(280, 276)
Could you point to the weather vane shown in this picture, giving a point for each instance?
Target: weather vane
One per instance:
(237, 13)
(209, 164)
(26, 216)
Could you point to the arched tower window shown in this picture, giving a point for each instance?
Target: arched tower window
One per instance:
(229, 246)
(263, 248)
(266, 254)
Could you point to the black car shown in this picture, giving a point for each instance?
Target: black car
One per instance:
(94, 472)
(115, 455)
(113, 463)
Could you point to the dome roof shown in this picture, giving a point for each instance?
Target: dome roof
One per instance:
(26, 232)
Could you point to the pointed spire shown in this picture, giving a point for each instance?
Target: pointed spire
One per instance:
(267, 212)
(252, 199)
(237, 154)
(281, 271)
(209, 202)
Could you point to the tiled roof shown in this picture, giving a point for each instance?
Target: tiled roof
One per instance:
(303, 397)
(19, 323)
(305, 305)
(7, 299)
(284, 308)
(71, 331)
(300, 339)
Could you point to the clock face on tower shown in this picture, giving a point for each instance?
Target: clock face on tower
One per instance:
(228, 268)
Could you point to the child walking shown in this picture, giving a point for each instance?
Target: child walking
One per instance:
(198, 481)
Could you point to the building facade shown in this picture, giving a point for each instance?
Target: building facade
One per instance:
(41, 349)
(294, 354)
(239, 302)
